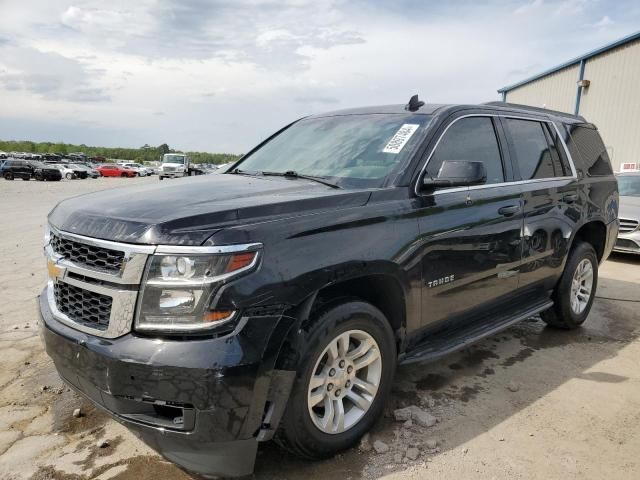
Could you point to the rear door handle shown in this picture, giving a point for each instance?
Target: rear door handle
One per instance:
(509, 210)
(572, 197)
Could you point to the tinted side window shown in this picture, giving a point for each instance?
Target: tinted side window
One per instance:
(472, 139)
(592, 151)
(531, 149)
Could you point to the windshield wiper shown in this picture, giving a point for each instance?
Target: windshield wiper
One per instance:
(293, 174)
(237, 171)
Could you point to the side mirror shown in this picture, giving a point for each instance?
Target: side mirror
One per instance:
(457, 173)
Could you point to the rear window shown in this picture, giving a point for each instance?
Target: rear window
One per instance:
(593, 153)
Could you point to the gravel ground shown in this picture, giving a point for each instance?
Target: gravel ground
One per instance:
(529, 403)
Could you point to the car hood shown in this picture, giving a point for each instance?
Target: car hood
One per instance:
(187, 211)
(629, 208)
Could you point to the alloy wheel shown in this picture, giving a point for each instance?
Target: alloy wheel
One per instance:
(581, 286)
(344, 381)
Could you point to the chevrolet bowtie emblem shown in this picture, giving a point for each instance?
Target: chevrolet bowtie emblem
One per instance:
(54, 270)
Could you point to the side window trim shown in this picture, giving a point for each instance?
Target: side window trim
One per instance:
(554, 150)
(422, 171)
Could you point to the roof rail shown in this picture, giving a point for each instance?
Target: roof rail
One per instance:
(518, 106)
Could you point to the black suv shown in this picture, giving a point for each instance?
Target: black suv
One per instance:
(275, 300)
(28, 169)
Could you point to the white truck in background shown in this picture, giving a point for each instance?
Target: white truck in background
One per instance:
(174, 165)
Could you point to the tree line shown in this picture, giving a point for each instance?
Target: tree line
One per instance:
(145, 153)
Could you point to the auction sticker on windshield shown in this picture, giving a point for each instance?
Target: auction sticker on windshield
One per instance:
(400, 139)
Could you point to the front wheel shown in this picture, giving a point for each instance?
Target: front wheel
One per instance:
(344, 374)
(576, 289)
(38, 176)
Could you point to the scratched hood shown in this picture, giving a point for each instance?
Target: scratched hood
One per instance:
(189, 210)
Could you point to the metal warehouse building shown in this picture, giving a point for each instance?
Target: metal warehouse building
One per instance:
(603, 86)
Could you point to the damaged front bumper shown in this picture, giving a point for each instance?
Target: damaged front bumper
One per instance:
(202, 403)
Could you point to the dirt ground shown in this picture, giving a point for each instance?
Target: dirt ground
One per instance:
(528, 403)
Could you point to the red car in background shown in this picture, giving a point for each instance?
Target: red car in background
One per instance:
(115, 171)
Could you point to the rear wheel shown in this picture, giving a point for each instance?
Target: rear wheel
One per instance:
(68, 176)
(344, 374)
(576, 289)
(124, 175)
(38, 176)
(8, 176)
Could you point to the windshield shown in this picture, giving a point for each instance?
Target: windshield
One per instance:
(629, 186)
(173, 159)
(350, 150)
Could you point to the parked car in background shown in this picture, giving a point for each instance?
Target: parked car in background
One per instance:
(78, 170)
(43, 171)
(15, 168)
(66, 172)
(113, 170)
(51, 158)
(140, 170)
(629, 233)
(27, 169)
(88, 171)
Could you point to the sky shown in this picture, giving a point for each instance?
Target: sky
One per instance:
(220, 76)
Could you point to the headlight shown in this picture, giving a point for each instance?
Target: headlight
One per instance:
(179, 288)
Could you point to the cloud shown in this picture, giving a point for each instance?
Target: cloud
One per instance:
(604, 22)
(528, 7)
(48, 75)
(221, 75)
(317, 100)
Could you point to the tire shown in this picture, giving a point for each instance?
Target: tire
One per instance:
(8, 176)
(124, 175)
(565, 313)
(299, 432)
(68, 176)
(161, 178)
(39, 177)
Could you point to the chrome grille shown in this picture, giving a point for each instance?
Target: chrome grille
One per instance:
(88, 255)
(83, 307)
(93, 284)
(628, 226)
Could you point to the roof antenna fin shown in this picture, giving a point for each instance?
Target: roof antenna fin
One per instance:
(414, 104)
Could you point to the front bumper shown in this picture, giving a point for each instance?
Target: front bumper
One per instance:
(628, 243)
(172, 174)
(201, 403)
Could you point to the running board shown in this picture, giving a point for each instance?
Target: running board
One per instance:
(448, 341)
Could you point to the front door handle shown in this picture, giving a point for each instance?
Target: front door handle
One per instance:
(509, 210)
(572, 197)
